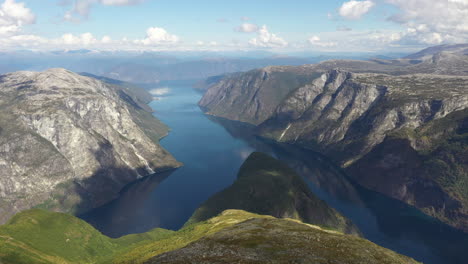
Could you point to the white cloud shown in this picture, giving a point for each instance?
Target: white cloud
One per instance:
(157, 36)
(85, 39)
(247, 28)
(265, 39)
(432, 21)
(81, 8)
(355, 9)
(316, 41)
(13, 16)
(106, 40)
(121, 2)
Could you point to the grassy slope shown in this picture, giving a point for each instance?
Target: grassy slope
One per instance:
(38, 236)
(266, 186)
(271, 240)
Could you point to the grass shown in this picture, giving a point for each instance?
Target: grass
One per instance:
(38, 236)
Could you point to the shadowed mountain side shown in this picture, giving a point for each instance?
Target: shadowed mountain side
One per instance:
(71, 143)
(267, 186)
(383, 220)
(77, 196)
(108, 218)
(349, 113)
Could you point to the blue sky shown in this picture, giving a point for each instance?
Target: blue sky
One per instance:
(295, 25)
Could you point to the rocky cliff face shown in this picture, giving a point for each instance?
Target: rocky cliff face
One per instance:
(70, 142)
(253, 96)
(348, 115)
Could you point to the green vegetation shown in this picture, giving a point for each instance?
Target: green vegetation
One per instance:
(443, 145)
(38, 236)
(271, 240)
(267, 186)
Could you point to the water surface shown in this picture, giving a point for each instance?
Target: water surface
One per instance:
(212, 151)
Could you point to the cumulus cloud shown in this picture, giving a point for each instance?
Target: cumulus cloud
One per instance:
(81, 8)
(247, 28)
(355, 9)
(13, 16)
(157, 36)
(432, 21)
(265, 39)
(316, 41)
(85, 39)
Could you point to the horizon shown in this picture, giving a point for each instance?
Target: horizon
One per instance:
(368, 26)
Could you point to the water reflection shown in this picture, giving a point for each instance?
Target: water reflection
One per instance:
(128, 212)
(212, 150)
(385, 221)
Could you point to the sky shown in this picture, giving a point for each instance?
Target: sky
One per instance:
(274, 25)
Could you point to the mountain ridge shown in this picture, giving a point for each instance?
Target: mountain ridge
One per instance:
(348, 108)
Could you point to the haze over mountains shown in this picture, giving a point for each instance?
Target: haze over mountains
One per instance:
(151, 67)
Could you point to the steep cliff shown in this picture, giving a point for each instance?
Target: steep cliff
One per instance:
(70, 143)
(348, 115)
(252, 96)
(267, 186)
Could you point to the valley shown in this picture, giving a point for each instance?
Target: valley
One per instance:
(378, 155)
(393, 131)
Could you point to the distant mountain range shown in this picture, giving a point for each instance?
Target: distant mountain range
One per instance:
(152, 67)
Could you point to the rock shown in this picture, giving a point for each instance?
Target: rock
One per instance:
(346, 109)
(70, 143)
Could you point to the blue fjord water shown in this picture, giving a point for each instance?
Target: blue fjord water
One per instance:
(212, 151)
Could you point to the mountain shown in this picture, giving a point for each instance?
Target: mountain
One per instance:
(266, 186)
(461, 49)
(70, 142)
(234, 236)
(137, 72)
(348, 110)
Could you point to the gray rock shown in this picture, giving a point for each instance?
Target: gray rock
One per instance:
(70, 143)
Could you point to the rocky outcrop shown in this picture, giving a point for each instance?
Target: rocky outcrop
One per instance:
(347, 114)
(70, 142)
(252, 96)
